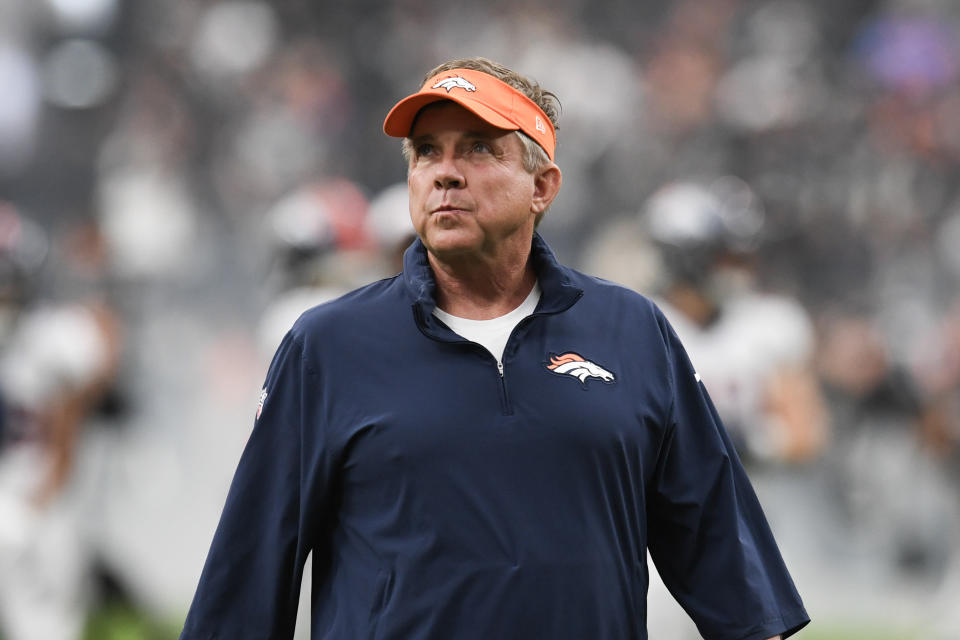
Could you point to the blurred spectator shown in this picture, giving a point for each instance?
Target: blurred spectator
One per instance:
(321, 249)
(56, 367)
(879, 448)
(19, 112)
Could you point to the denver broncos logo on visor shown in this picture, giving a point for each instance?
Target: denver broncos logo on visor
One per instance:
(453, 83)
(575, 365)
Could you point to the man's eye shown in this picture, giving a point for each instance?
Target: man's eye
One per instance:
(423, 150)
(481, 147)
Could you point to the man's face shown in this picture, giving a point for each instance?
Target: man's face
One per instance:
(469, 192)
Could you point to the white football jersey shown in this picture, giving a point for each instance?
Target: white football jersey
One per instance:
(753, 337)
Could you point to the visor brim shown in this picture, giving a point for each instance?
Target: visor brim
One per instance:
(399, 122)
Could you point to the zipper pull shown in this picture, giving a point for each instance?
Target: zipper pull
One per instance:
(500, 367)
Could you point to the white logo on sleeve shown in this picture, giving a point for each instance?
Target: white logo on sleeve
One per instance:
(263, 398)
(575, 365)
(453, 83)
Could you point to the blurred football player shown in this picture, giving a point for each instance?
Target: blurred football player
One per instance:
(752, 349)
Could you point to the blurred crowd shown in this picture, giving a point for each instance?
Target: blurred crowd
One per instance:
(179, 180)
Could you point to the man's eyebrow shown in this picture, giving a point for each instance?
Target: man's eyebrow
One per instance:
(422, 137)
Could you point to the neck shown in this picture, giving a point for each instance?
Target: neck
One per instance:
(479, 291)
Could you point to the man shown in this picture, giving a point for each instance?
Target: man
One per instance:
(486, 445)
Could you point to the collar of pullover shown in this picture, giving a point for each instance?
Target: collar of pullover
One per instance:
(558, 291)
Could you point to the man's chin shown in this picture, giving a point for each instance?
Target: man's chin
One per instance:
(452, 243)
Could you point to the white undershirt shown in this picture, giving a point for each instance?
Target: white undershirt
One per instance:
(494, 333)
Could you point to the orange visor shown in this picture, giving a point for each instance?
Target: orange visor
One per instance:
(489, 98)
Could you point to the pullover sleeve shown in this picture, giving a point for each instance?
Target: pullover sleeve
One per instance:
(708, 536)
(249, 587)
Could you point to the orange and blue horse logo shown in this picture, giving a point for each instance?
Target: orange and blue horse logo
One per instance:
(575, 365)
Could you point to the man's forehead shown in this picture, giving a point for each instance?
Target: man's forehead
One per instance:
(448, 116)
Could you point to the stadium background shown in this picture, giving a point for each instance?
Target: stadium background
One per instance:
(182, 167)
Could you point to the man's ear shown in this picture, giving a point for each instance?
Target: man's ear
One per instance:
(546, 185)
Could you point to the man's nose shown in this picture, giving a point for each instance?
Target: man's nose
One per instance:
(448, 175)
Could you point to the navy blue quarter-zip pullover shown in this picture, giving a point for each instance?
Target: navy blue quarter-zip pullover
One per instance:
(445, 497)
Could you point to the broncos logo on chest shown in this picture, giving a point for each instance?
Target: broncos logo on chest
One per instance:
(575, 365)
(454, 83)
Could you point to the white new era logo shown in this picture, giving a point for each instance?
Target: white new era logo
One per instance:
(453, 83)
(542, 128)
